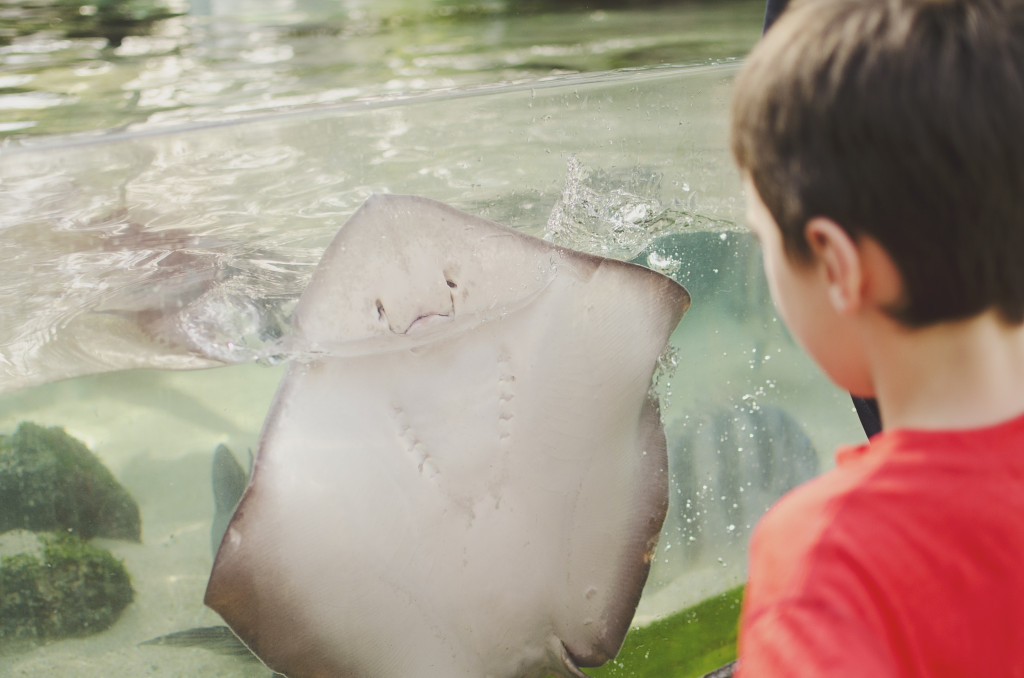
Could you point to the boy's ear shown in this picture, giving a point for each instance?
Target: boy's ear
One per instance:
(841, 263)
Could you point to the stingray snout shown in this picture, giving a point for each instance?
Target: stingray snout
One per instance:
(406, 315)
(406, 323)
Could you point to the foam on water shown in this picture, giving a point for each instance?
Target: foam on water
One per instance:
(620, 216)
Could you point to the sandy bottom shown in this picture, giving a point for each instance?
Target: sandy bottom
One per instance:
(157, 433)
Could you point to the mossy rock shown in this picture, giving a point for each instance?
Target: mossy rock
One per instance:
(63, 588)
(50, 481)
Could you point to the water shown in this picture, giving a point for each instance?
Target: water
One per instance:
(69, 66)
(180, 235)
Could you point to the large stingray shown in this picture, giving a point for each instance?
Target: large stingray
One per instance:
(464, 473)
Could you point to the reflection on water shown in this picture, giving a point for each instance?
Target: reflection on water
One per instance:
(71, 66)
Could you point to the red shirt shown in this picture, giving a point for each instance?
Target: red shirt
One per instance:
(907, 560)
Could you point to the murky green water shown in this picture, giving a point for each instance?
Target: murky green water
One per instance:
(214, 155)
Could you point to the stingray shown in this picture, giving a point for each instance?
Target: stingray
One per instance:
(463, 473)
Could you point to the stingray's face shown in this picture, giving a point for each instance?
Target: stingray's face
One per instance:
(403, 274)
(386, 307)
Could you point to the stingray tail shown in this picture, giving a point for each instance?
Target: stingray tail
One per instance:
(568, 667)
(217, 639)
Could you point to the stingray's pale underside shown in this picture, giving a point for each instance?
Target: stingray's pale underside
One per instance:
(464, 474)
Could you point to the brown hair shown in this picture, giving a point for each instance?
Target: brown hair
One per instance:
(902, 120)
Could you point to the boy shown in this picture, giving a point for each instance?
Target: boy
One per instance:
(867, 408)
(882, 148)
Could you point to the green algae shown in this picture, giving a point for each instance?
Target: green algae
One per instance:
(52, 481)
(70, 589)
(688, 644)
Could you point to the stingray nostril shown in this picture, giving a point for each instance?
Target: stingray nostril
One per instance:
(451, 283)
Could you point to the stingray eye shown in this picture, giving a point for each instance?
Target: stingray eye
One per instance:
(451, 283)
(380, 310)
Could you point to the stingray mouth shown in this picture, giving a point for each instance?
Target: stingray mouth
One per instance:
(419, 324)
(425, 322)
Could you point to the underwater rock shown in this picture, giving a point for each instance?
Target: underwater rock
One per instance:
(51, 481)
(59, 587)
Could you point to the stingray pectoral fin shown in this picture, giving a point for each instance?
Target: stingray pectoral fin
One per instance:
(251, 593)
(482, 501)
(609, 598)
(621, 499)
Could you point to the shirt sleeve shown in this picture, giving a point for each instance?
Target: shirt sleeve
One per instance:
(806, 638)
(812, 607)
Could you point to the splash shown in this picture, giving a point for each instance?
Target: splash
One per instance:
(664, 371)
(620, 217)
(239, 325)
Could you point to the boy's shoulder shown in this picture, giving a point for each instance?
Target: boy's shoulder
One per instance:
(904, 498)
(908, 542)
(798, 523)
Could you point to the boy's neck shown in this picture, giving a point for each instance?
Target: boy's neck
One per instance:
(957, 375)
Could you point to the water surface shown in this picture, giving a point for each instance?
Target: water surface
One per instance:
(72, 66)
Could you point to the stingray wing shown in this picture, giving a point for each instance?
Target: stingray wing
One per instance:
(462, 484)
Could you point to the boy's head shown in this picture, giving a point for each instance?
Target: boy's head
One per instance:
(903, 121)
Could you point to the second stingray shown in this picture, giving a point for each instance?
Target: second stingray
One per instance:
(463, 473)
